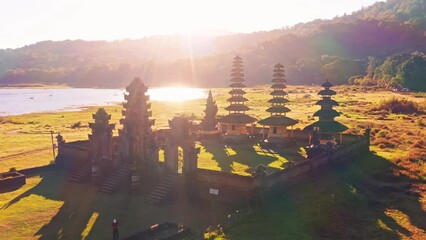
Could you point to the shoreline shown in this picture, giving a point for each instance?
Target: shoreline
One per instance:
(65, 110)
(33, 86)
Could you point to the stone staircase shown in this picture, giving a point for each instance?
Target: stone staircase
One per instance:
(113, 182)
(162, 190)
(82, 174)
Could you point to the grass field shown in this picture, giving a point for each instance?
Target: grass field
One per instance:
(383, 194)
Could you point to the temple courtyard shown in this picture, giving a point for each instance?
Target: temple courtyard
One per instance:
(243, 158)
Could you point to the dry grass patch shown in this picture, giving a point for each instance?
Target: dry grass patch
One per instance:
(400, 106)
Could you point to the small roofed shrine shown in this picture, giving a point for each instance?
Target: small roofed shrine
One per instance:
(236, 121)
(101, 144)
(326, 126)
(278, 121)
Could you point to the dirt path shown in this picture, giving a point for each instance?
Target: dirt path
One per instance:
(22, 154)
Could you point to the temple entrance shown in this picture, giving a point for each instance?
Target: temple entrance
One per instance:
(180, 153)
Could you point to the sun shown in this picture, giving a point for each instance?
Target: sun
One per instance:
(176, 94)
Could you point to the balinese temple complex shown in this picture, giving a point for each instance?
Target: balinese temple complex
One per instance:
(235, 123)
(133, 157)
(278, 121)
(327, 128)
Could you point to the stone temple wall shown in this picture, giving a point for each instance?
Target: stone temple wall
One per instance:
(73, 155)
(235, 188)
(345, 153)
(223, 186)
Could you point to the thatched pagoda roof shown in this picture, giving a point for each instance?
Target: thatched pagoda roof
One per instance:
(237, 79)
(278, 121)
(237, 74)
(326, 92)
(278, 86)
(278, 75)
(278, 100)
(328, 113)
(237, 85)
(237, 107)
(327, 102)
(278, 109)
(327, 126)
(237, 119)
(237, 99)
(327, 84)
(279, 65)
(278, 93)
(237, 91)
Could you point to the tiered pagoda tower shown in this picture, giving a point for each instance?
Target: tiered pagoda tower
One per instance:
(137, 143)
(209, 122)
(237, 119)
(278, 121)
(326, 125)
(101, 145)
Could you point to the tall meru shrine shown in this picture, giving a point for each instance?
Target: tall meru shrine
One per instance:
(109, 161)
(234, 124)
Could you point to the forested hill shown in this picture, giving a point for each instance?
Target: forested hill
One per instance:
(353, 46)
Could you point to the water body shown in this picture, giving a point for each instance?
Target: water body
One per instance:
(15, 101)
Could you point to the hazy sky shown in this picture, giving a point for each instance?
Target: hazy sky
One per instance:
(24, 22)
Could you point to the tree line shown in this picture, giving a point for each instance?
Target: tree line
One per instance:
(350, 47)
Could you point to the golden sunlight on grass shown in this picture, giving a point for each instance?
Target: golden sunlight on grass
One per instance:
(229, 151)
(23, 212)
(89, 225)
(407, 230)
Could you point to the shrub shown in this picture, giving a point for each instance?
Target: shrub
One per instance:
(382, 134)
(416, 155)
(399, 106)
(419, 144)
(412, 165)
(12, 169)
(362, 81)
(76, 125)
(384, 143)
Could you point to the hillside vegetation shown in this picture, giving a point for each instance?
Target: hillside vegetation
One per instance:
(384, 43)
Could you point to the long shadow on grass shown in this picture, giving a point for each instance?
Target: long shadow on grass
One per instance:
(46, 188)
(71, 219)
(361, 199)
(87, 214)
